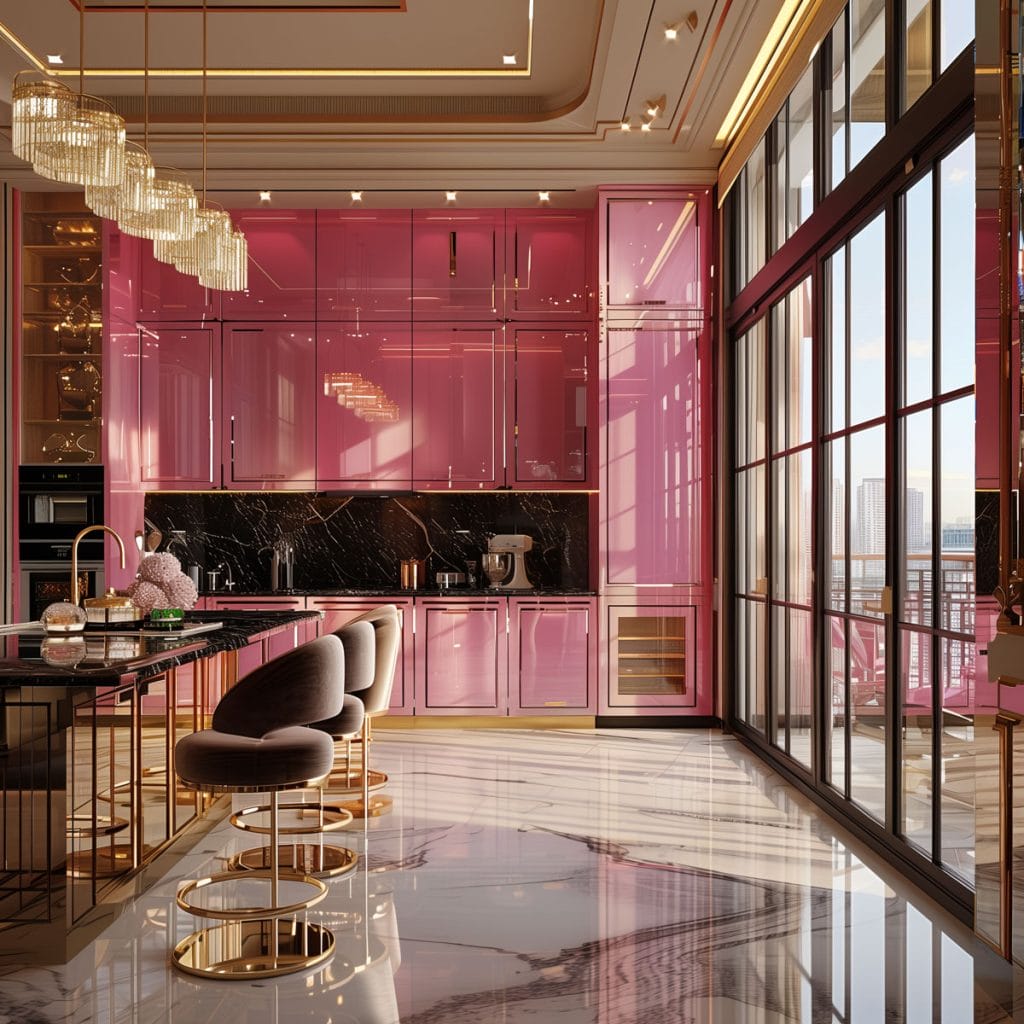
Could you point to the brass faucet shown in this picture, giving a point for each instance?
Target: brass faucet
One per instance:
(74, 555)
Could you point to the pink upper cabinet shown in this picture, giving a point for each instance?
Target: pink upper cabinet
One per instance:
(167, 294)
(282, 274)
(457, 406)
(363, 264)
(364, 406)
(457, 264)
(120, 274)
(549, 256)
(652, 457)
(269, 373)
(652, 252)
(179, 391)
(550, 439)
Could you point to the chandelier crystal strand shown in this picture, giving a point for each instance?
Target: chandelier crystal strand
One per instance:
(168, 208)
(110, 200)
(38, 104)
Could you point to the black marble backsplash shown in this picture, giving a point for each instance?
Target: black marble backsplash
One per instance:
(343, 541)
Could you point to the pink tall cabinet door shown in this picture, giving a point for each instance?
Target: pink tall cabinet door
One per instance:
(339, 610)
(282, 266)
(363, 265)
(552, 659)
(167, 294)
(364, 406)
(457, 264)
(461, 656)
(552, 403)
(179, 404)
(458, 407)
(549, 264)
(269, 430)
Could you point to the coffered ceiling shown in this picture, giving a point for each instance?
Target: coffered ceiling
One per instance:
(402, 98)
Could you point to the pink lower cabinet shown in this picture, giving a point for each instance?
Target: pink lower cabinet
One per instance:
(651, 660)
(339, 610)
(179, 405)
(279, 642)
(552, 658)
(269, 374)
(458, 407)
(461, 656)
(364, 406)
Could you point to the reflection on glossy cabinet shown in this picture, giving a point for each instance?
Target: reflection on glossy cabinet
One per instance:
(277, 643)
(167, 294)
(179, 389)
(339, 610)
(551, 405)
(552, 656)
(461, 657)
(548, 259)
(269, 416)
(652, 456)
(653, 253)
(458, 375)
(364, 407)
(457, 265)
(363, 264)
(282, 266)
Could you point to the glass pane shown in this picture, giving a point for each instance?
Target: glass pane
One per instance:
(756, 212)
(800, 344)
(838, 112)
(917, 290)
(867, 321)
(756, 372)
(868, 734)
(779, 178)
(917, 71)
(918, 726)
(782, 385)
(651, 656)
(956, 30)
(757, 664)
(742, 533)
(956, 500)
(836, 688)
(799, 541)
(757, 570)
(780, 677)
(833, 475)
(867, 76)
(958, 788)
(836, 275)
(778, 528)
(917, 525)
(800, 201)
(738, 232)
(742, 688)
(741, 399)
(956, 266)
(868, 526)
(801, 674)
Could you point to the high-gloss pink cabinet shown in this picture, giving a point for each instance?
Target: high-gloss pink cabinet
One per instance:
(340, 610)
(282, 266)
(652, 251)
(179, 405)
(458, 408)
(550, 371)
(364, 406)
(552, 656)
(461, 656)
(457, 264)
(165, 293)
(549, 256)
(652, 459)
(363, 264)
(277, 643)
(269, 375)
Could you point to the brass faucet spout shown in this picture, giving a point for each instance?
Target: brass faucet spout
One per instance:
(75, 595)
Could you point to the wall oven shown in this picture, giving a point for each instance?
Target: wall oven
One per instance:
(43, 583)
(54, 503)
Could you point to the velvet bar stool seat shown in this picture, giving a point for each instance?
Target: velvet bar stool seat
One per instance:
(376, 697)
(259, 743)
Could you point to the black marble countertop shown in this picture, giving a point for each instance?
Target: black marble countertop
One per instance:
(113, 658)
(384, 592)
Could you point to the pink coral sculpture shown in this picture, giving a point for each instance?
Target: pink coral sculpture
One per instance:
(159, 569)
(162, 584)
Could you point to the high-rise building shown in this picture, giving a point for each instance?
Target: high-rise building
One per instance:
(868, 535)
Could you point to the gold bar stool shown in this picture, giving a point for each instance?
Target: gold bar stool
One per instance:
(259, 743)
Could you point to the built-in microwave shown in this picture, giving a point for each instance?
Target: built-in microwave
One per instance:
(54, 504)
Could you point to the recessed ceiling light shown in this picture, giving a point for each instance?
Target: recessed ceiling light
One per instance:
(544, 197)
(626, 126)
(509, 58)
(265, 197)
(357, 197)
(646, 126)
(671, 32)
(653, 108)
(54, 58)
(451, 196)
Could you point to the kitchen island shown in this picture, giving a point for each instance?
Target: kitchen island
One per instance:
(91, 811)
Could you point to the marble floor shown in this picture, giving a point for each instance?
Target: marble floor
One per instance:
(557, 876)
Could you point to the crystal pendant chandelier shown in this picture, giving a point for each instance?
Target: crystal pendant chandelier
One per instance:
(166, 211)
(38, 104)
(109, 200)
(228, 271)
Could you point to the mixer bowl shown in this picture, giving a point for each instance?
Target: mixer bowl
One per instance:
(496, 564)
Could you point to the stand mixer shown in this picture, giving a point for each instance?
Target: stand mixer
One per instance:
(504, 561)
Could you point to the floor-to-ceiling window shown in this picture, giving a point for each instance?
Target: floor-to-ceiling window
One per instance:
(853, 460)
